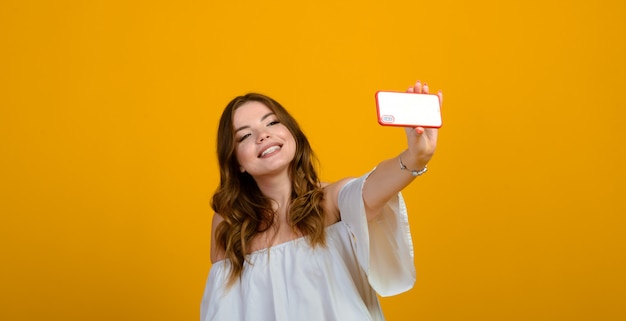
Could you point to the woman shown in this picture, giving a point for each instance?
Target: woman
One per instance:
(286, 246)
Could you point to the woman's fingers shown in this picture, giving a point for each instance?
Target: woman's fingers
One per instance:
(420, 88)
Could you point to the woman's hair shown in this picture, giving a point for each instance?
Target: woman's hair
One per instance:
(246, 211)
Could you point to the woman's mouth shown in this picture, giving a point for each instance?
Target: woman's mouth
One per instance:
(269, 150)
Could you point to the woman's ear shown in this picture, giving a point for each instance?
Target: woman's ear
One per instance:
(241, 169)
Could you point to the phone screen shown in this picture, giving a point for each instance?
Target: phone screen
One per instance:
(408, 109)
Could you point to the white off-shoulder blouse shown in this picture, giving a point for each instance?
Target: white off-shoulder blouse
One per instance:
(294, 281)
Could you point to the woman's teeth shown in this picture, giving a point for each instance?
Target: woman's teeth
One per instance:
(269, 150)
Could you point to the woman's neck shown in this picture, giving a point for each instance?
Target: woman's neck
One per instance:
(277, 188)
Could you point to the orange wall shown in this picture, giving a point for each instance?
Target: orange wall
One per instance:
(108, 114)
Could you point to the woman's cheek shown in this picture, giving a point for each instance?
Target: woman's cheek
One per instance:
(243, 153)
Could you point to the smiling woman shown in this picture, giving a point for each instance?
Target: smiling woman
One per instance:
(287, 246)
(264, 145)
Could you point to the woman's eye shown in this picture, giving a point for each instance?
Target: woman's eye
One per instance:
(243, 137)
(273, 123)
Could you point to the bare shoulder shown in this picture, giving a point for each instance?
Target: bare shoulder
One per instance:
(217, 253)
(331, 199)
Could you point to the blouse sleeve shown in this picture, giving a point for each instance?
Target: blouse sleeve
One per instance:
(383, 246)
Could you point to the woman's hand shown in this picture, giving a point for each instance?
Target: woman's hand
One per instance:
(421, 141)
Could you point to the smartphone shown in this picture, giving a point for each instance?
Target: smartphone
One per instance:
(408, 109)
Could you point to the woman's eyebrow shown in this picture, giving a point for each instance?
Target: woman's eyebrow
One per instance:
(262, 119)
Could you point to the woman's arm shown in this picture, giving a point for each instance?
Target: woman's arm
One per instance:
(392, 175)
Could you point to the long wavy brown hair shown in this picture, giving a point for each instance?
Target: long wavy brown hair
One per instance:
(238, 199)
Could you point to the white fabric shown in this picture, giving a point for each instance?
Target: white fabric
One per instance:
(293, 281)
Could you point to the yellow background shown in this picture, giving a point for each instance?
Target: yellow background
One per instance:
(108, 114)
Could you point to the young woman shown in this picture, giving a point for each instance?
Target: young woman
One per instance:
(286, 246)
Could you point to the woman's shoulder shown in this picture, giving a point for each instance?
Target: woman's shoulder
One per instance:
(335, 187)
(217, 253)
(331, 199)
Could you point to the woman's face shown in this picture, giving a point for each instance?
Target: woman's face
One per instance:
(264, 145)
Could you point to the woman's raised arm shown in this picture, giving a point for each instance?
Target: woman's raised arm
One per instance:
(393, 175)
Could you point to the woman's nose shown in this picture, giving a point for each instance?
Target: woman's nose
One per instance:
(263, 137)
